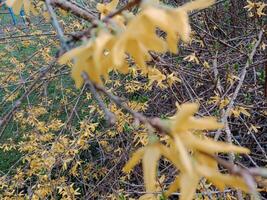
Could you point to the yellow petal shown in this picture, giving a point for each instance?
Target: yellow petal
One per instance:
(150, 167)
(175, 185)
(170, 155)
(221, 181)
(183, 155)
(180, 120)
(198, 4)
(124, 69)
(183, 26)
(106, 66)
(92, 71)
(118, 52)
(153, 43)
(206, 160)
(134, 160)
(76, 72)
(172, 40)
(188, 184)
(100, 7)
(112, 5)
(100, 45)
(137, 52)
(210, 146)
(81, 51)
(184, 120)
(105, 9)
(156, 18)
(85, 65)
(100, 59)
(204, 123)
(186, 110)
(120, 21)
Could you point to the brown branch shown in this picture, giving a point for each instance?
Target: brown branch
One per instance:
(154, 122)
(74, 9)
(109, 116)
(119, 11)
(240, 83)
(56, 25)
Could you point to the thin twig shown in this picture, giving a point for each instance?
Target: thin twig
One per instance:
(74, 9)
(240, 83)
(139, 117)
(109, 116)
(86, 32)
(220, 90)
(57, 25)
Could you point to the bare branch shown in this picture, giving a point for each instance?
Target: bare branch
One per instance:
(240, 83)
(109, 116)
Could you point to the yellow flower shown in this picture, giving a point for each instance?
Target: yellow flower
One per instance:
(90, 58)
(171, 79)
(155, 75)
(187, 183)
(150, 156)
(105, 9)
(192, 58)
(260, 9)
(192, 155)
(108, 52)
(108, 8)
(221, 181)
(136, 42)
(184, 120)
(83, 62)
(185, 141)
(140, 34)
(250, 5)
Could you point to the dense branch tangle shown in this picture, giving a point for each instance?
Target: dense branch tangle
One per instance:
(125, 42)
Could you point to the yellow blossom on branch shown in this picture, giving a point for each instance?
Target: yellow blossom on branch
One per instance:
(110, 51)
(191, 154)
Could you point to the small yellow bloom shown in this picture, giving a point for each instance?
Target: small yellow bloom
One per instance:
(150, 156)
(105, 9)
(260, 9)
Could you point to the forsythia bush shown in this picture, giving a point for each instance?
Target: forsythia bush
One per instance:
(124, 43)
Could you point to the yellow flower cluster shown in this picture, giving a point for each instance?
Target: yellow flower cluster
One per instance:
(108, 51)
(189, 153)
(256, 7)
